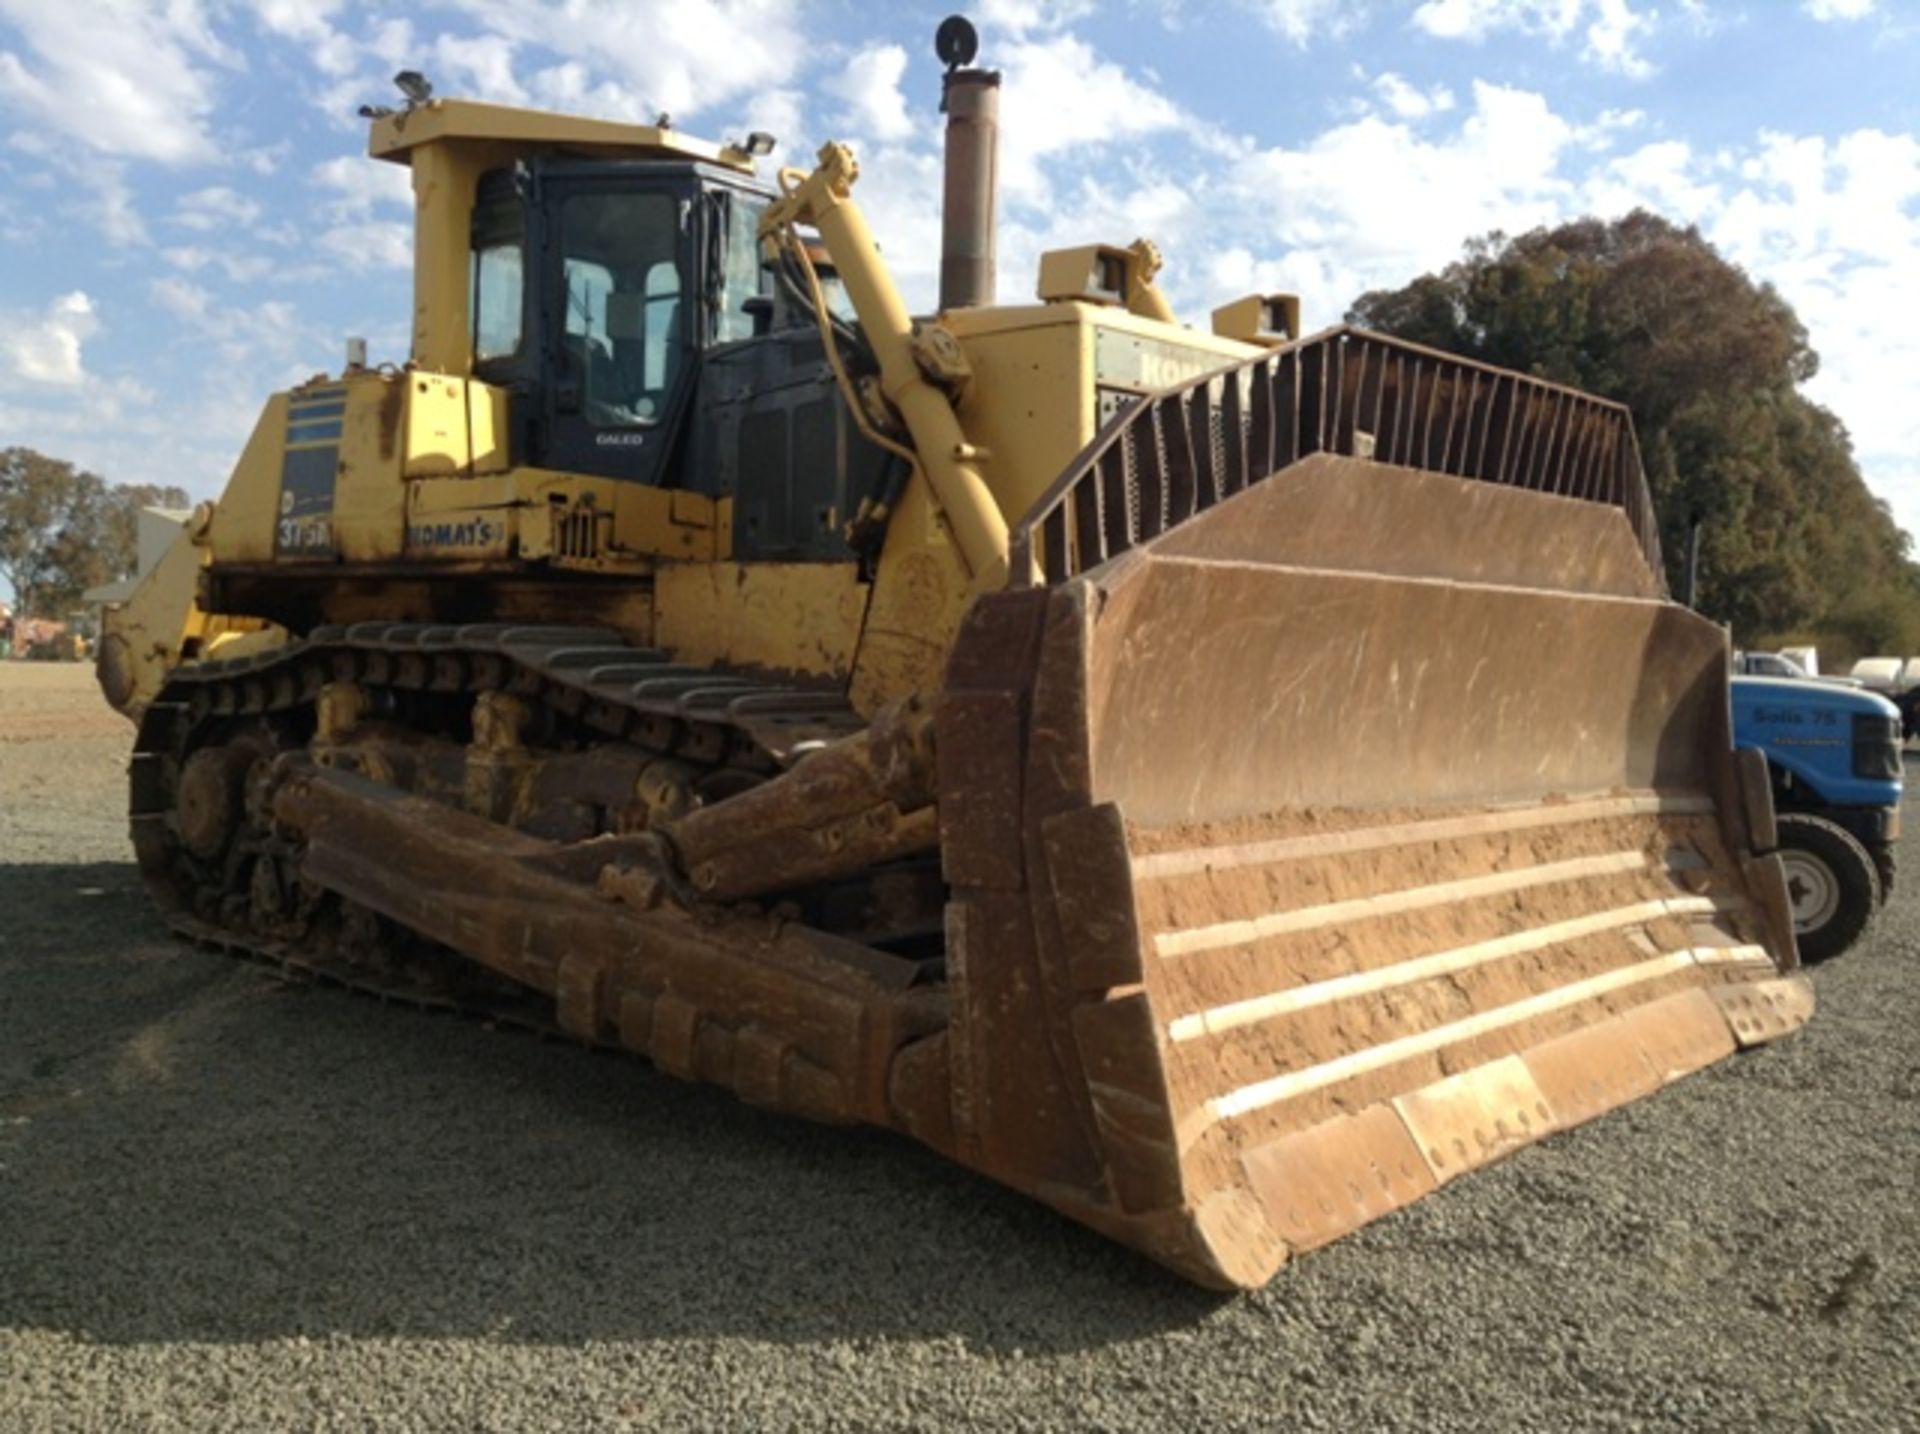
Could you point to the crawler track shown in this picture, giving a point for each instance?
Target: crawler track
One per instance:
(588, 687)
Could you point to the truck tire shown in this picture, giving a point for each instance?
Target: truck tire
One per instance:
(1884, 863)
(1832, 884)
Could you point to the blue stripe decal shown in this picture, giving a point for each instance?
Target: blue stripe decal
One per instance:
(311, 432)
(302, 412)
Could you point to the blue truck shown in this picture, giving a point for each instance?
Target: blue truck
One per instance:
(1834, 756)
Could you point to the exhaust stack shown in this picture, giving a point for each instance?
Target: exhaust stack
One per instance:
(971, 101)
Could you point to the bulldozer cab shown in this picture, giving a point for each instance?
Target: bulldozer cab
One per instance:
(596, 288)
(629, 310)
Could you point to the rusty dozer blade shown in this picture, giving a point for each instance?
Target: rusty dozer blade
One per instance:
(1341, 807)
(1336, 806)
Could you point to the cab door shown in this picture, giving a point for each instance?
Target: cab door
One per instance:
(619, 347)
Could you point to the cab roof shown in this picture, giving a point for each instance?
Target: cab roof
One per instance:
(394, 135)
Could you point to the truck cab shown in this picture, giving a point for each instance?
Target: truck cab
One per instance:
(1834, 759)
(1768, 664)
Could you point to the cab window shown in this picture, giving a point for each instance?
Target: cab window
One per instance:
(496, 279)
(741, 270)
(624, 333)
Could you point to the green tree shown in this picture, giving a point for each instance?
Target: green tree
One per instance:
(1648, 313)
(50, 515)
(120, 528)
(64, 530)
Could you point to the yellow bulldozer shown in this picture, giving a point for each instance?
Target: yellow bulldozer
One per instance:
(1223, 783)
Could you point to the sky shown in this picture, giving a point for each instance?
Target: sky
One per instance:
(188, 220)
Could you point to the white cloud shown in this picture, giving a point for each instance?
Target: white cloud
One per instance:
(121, 76)
(1408, 101)
(781, 113)
(1838, 9)
(477, 67)
(361, 185)
(181, 298)
(1664, 176)
(900, 192)
(1018, 17)
(870, 86)
(1477, 19)
(1609, 125)
(265, 159)
(115, 424)
(392, 43)
(357, 65)
(1301, 21)
(309, 22)
(1129, 206)
(268, 341)
(1299, 210)
(570, 86)
(1610, 39)
(216, 208)
(238, 267)
(95, 185)
(45, 348)
(629, 61)
(1059, 95)
(370, 244)
(119, 433)
(296, 19)
(1833, 224)
(108, 200)
(1613, 27)
(362, 236)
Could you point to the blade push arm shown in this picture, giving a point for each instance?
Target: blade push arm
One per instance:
(823, 199)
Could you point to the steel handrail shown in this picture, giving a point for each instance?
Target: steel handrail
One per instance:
(1170, 455)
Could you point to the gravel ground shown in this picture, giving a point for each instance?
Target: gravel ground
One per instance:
(229, 1202)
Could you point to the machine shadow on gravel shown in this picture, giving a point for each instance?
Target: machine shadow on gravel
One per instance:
(37, 898)
(196, 1150)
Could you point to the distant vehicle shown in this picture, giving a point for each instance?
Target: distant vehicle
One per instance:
(1880, 674)
(1784, 664)
(1898, 680)
(42, 639)
(1807, 657)
(1834, 759)
(1768, 664)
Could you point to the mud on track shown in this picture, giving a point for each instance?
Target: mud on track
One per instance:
(227, 1202)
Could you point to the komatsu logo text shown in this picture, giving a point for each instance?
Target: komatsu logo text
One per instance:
(464, 533)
